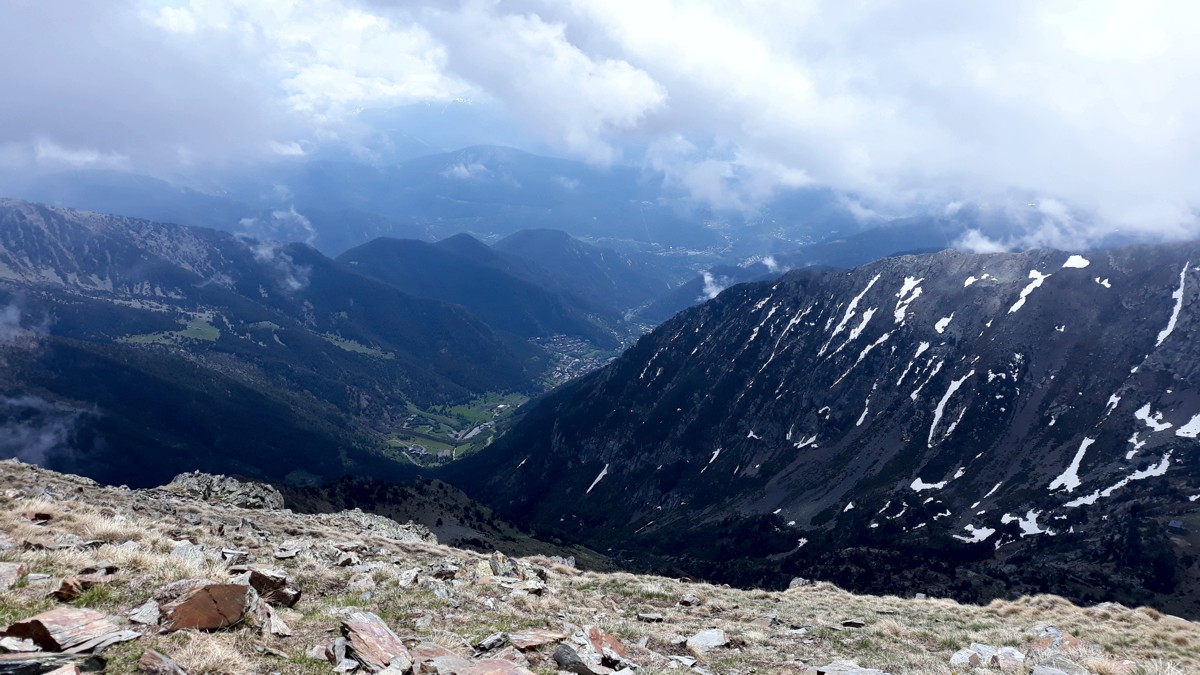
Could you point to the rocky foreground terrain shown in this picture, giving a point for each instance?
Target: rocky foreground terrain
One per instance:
(211, 575)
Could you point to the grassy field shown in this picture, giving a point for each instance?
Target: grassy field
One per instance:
(197, 328)
(457, 430)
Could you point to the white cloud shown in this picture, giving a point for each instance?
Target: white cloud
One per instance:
(898, 104)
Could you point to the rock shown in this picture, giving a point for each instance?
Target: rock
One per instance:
(345, 666)
(493, 641)
(348, 560)
(104, 567)
(1050, 639)
(43, 663)
(1008, 659)
(444, 569)
(362, 582)
(272, 584)
(156, 663)
(146, 614)
(649, 618)
(386, 527)
(433, 658)
(920, 596)
(690, 600)
(373, 644)
(966, 658)
(409, 578)
(234, 557)
(532, 639)
(707, 640)
(70, 630)
(73, 587)
(504, 566)
(316, 653)
(530, 586)
(853, 623)
(568, 561)
(209, 606)
(685, 661)
(9, 644)
(602, 642)
(10, 574)
(568, 659)
(800, 582)
(219, 489)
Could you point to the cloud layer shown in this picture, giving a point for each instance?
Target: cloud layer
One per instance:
(902, 105)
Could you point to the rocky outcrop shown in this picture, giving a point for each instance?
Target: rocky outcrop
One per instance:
(218, 489)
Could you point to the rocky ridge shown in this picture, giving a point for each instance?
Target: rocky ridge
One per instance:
(97, 578)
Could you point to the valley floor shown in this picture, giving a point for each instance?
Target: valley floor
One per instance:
(444, 603)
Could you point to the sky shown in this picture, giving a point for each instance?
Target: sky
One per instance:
(1076, 114)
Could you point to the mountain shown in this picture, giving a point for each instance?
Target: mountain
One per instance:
(500, 299)
(600, 276)
(973, 425)
(152, 348)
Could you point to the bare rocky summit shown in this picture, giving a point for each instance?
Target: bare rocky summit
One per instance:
(211, 576)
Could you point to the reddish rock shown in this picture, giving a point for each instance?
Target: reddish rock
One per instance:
(156, 663)
(73, 587)
(433, 658)
(532, 639)
(373, 644)
(69, 629)
(10, 574)
(68, 669)
(208, 607)
(601, 641)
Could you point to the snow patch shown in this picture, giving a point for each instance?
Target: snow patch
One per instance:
(753, 435)
(978, 534)
(941, 324)
(1149, 472)
(849, 507)
(941, 406)
(1038, 278)
(1069, 479)
(1028, 522)
(1076, 262)
(804, 443)
(1178, 296)
(1191, 429)
(970, 280)
(1152, 420)
(1103, 282)
(863, 416)
(603, 473)
(909, 291)
(919, 485)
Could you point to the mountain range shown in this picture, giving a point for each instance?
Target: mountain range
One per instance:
(980, 425)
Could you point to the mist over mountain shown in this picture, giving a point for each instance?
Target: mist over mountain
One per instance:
(918, 422)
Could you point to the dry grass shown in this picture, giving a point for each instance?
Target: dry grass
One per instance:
(771, 631)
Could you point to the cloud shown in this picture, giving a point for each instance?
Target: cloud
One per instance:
(17, 323)
(33, 429)
(903, 107)
(713, 285)
(289, 225)
(466, 171)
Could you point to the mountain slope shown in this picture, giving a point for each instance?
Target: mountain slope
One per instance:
(496, 297)
(230, 354)
(935, 421)
(600, 276)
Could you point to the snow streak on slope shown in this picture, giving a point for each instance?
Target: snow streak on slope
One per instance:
(603, 473)
(1149, 472)
(1038, 278)
(941, 406)
(850, 312)
(910, 291)
(1076, 261)
(1191, 429)
(1178, 296)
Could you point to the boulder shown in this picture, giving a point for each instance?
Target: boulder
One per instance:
(71, 630)
(272, 584)
(146, 614)
(690, 600)
(44, 663)
(649, 618)
(373, 644)
(386, 527)
(569, 660)
(707, 640)
(844, 668)
(209, 606)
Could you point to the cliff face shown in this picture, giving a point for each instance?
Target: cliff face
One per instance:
(942, 419)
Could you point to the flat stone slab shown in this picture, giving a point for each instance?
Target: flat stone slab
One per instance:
(71, 630)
